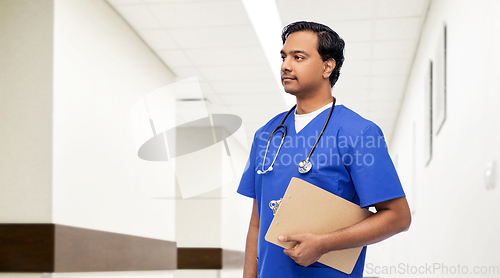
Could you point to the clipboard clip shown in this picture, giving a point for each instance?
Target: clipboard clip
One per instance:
(275, 205)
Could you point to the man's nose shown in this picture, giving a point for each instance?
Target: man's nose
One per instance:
(285, 65)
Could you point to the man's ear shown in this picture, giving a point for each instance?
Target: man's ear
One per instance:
(329, 65)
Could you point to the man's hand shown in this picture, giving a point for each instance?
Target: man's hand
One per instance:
(307, 250)
(393, 216)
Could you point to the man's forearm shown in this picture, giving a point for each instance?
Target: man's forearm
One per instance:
(251, 265)
(392, 217)
(383, 224)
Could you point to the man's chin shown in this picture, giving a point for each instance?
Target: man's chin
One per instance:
(290, 91)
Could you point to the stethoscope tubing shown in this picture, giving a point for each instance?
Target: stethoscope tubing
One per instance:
(322, 130)
(281, 125)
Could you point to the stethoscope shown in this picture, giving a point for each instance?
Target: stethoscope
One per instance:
(305, 165)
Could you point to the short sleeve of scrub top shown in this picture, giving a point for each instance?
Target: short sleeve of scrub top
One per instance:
(247, 182)
(371, 169)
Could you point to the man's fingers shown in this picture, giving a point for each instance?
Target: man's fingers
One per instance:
(290, 253)
(290, 238)
(283, 238)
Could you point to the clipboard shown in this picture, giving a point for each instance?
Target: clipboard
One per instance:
(306, 208)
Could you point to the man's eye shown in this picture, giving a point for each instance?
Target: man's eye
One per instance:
(299, 57)
(283, 58)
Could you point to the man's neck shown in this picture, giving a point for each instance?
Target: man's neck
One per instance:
(311, 104)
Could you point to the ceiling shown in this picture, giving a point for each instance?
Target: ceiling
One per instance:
(215, 41)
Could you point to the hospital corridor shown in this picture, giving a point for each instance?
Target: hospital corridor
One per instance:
(135, 137)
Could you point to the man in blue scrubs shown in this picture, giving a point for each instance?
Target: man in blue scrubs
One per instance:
(350, 160)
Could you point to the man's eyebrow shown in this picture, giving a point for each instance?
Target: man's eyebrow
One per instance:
(295, 52)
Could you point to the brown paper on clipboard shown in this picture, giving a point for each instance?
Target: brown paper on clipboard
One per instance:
(306, 208)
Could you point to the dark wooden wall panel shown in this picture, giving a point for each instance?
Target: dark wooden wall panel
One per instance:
(199, 258)
(59, 248)
(26, 247)
(80, 250)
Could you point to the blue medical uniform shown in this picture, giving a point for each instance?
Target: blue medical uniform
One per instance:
(351, 160)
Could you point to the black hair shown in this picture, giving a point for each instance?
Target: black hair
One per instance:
(330, 44)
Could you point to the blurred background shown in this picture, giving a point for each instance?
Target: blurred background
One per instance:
(76, 200)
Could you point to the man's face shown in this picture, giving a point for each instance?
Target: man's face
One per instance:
(302, 68)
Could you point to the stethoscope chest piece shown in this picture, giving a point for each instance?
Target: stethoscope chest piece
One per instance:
(305, 166)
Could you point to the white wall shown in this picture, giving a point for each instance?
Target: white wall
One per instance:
(455, 217)
(101, 67)
(26, 29)
(70, 73)
(73, 71)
